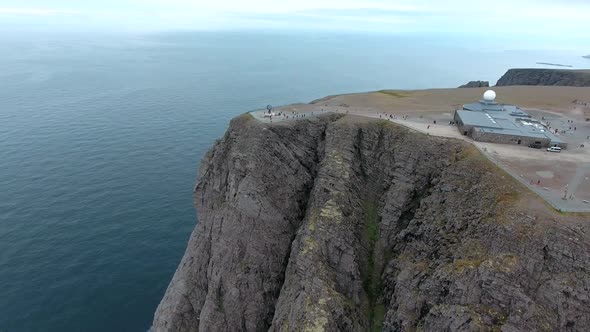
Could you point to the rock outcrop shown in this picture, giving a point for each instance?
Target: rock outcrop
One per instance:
(476, 84)
(586, 56)
(338, 223)
(551, 77)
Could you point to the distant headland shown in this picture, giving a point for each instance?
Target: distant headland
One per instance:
(554, 64)
(550, 77)
(538, 76)
(586, 56)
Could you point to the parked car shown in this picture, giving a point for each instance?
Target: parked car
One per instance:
(554, 149)
(535, 145)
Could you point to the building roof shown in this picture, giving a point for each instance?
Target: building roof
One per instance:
(484, 105)
(505, 123)
(513, 132)
(490, 106)
(478, 119)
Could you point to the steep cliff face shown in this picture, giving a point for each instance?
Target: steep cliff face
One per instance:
(552, 77)
(345, 224)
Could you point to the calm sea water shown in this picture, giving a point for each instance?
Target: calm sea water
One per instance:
(100, 139)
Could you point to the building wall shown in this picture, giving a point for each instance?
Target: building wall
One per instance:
(481, 136)
(561, 145)
(463, 129)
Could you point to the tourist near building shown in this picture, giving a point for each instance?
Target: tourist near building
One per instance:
(489, 121)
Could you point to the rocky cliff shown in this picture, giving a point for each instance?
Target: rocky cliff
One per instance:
(553, 77)
(476, 84)
(346, 224)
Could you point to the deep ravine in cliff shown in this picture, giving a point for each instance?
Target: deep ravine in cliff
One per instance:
(341, 223)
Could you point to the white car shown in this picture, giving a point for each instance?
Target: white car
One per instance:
(554, 149)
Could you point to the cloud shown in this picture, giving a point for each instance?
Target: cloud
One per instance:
(35, 12)
(273, 6)
(524, 18)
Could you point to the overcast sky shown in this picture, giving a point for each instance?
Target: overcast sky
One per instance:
(536, 19)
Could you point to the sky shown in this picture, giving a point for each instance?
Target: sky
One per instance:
(550, 20)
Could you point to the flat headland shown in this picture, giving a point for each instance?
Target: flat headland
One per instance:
(430, 112)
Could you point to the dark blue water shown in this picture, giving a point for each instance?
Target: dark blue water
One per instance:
(100, 138)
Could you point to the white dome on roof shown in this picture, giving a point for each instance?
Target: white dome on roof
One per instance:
(489, 95)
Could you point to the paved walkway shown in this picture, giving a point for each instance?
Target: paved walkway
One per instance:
(426, 126)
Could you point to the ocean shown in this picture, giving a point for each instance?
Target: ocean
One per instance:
(101, 137)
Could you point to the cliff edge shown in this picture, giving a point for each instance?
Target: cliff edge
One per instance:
(338, 223)
(551, 77)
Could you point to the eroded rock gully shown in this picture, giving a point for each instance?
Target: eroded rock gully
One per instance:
(346, 224)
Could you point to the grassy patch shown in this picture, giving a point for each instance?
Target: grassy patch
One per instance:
(502, 263)
(371, 279)
(243, 118)
(309, 245)
(469, 151)
(467, 263)
(313, 220)
(508, 197)
(331, 211)
(378, 317)
(387, 124)
(371, 234)
(396, 94)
